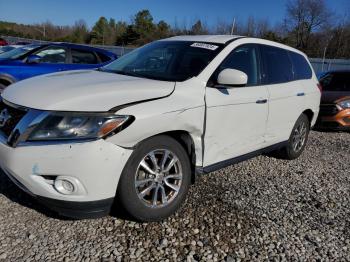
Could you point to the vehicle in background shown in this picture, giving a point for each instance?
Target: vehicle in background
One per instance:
(335, 101)
(142, 127)
(7, 48)
(3, 42)
(38, 59)
(23, 43)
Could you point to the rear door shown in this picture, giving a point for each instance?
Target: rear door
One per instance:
(287, 96)
(235, 117)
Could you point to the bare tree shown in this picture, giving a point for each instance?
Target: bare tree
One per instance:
(198, 28)
(262, 27)
(250, 26)
(305, 17)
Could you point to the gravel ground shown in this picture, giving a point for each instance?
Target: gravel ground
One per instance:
(262, 209)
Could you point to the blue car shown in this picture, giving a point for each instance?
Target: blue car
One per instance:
(33, 60)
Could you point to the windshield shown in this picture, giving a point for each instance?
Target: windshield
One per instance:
(166, 60)
(17, 52)
(6, 48)
(339, 81)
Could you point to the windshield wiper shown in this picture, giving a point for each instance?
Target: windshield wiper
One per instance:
(128, 73)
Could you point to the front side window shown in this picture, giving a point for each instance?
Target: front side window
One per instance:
(336, 82)
(277, 65)
(166, 60)
(243, 58)
(52, 54)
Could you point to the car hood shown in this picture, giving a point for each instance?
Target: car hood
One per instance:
(84, 90)
(331, 97)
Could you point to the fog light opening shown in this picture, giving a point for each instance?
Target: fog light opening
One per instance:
(64, 186)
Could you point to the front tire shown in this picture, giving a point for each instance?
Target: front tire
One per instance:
(155, 180)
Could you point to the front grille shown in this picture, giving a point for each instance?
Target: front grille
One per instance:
(15, 116)
(328, 110)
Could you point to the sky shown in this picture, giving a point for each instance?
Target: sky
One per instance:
(66, 12)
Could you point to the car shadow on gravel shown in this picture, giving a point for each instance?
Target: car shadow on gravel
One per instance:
(13, 193)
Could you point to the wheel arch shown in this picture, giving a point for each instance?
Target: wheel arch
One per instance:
(310, 115)
(6, 79)
(185, 139)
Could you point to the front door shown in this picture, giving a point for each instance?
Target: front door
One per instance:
(235, 116)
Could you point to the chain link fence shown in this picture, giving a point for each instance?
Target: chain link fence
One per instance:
(323, 65)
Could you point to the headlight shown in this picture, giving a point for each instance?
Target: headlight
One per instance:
(344, 104)
(65, 126)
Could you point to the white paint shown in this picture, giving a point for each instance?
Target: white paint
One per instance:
(230, 120)
(84, 90)
(218, 39)
(232, 77)
(96, 165)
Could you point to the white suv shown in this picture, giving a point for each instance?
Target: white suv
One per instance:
(141, 128)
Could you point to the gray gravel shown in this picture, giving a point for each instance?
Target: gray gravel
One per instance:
(262, 209)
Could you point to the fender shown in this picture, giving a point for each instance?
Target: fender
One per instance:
(7, 78)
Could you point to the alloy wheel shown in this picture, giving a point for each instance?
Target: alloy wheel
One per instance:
(299, 137)
(158, 178)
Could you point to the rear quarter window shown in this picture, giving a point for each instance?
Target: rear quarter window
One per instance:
(83, 57)
(277, 65)
(301, 67)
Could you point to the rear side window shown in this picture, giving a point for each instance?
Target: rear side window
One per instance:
(277, 65)
(104, 58)
(83, 57)
(301, 67)
(336, 82)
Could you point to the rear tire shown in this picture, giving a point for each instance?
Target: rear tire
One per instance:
(297, 140)
(155, 180)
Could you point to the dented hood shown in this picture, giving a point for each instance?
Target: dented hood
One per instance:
(90, 91)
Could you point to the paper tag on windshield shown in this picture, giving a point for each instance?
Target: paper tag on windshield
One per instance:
(206, 46)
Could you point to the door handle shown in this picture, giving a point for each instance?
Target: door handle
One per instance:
(301, 94)
(261, 101)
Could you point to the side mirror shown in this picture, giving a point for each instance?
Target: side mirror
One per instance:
(33, 59)
(232, 78)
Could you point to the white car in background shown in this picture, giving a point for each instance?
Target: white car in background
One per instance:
(141, 128)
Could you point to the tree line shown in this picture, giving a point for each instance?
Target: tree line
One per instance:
(308, 25)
